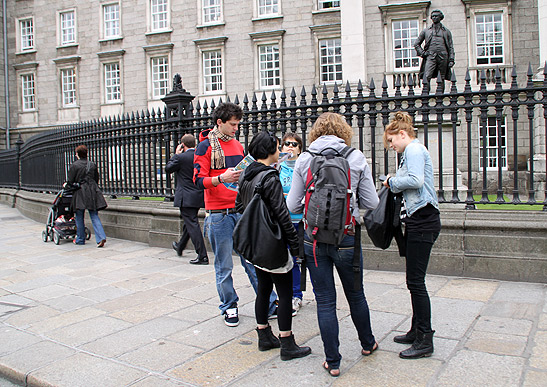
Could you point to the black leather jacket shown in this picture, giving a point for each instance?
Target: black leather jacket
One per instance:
(272, 194)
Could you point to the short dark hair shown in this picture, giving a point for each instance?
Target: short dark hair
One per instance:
(225, 111)
(296, 137)
(189, 140)
(262, 145)
(439, 12)
(81, 151)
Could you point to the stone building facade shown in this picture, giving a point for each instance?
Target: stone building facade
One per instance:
(78, 60)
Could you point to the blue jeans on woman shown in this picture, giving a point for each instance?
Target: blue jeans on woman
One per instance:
(218, 228)
(322, 278)
(80, 226)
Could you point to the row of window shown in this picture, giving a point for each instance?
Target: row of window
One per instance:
(158, 21)
(269, 73)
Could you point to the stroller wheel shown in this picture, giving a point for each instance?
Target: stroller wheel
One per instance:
(87, 234)
(56, 238)
(44, 236)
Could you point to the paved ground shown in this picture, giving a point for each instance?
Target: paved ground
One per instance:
(134, 315)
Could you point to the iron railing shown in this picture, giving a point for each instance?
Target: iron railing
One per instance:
(484, 141)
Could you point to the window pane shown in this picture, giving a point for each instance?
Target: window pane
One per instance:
(268, 7)
(405, 33)
(111, 20)
(112, 82)
(330, 60)
(68, 28)
(212, 70)
(211, 11)
(492, 143)
(159, 14)
(27, 92)
(325, 4)
(489, 38)
(68, 87)
(160, 76)
(27, 34)
(269, 65)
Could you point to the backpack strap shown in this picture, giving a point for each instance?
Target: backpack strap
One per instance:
(302, 257)
(357, 281)
(263, 176)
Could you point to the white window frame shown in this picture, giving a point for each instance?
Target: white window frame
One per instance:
(68, 90)
(337, 61)
(160, 80)
(493, 6)
(328, 4)
(265, 9)
(151, 24)
(205, 8)
(209, 45)
(408, 40)
(265, 39)
(265, 51)
(112, 86)
(106, 21)
(324, 32)
(208, 75)
(486, 35)
(152, 52)
(24, 95)
(61, 28)
(23, 44)
(492, 150)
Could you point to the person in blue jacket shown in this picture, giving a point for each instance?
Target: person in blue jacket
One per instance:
(292, 143)
(420, 215)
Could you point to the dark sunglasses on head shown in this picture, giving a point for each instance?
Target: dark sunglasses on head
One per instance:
(291, 143)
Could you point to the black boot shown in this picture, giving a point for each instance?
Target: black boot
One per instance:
(422, 346)
(266, 339)
(289, 349)
(199, 261)
(407, 338)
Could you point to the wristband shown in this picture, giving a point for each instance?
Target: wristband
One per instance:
(220, 179)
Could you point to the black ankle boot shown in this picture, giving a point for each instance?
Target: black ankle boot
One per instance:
(422, 346)
(266, 339)
(289, 349)
(407, 338)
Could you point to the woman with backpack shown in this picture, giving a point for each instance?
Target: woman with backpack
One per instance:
(84, 172)
(331, 136)
(264, 147)
(420, 214)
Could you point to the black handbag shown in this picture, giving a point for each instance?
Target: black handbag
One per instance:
(258, 237)
(379, 222)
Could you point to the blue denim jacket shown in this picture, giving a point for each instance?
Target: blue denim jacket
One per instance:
(414, 178)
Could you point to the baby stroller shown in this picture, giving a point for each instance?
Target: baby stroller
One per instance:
(60, 221)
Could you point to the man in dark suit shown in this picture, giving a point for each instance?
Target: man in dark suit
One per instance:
(188, 198)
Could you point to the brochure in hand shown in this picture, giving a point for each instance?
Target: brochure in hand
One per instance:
(247, 160)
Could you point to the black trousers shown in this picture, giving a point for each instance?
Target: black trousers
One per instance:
(283, 286)
(191, 230)
(418, 250)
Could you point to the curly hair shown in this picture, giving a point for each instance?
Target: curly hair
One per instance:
(402, 121)
(333, 124)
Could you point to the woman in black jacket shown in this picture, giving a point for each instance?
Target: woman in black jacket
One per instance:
(265, 150)
(89, 196)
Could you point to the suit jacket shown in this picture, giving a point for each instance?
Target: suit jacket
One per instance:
(426, 35)
(186, 193)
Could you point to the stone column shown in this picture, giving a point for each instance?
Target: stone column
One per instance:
(539, 122)
(352, 18)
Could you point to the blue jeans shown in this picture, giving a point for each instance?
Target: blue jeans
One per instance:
(322, 278)
(296, 291)
(80, 226)
(219, 228)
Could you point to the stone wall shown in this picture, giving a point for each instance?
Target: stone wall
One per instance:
(505, 245)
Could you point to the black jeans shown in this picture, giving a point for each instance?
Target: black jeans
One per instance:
(283, 286)
(418, 250)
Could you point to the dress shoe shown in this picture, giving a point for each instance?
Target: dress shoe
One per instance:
(101, 243)
(176, 248)
(200, 261)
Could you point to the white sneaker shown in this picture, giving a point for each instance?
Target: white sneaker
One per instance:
(296, 304)
(231, 317)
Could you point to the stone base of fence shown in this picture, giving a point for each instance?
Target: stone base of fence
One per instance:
(505, 245)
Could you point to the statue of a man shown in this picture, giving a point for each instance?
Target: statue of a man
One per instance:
(438, 51)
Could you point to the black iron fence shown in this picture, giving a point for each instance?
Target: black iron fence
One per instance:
(485, 142)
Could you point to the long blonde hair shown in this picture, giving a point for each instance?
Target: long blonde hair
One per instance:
(331, 123)
(402, 121)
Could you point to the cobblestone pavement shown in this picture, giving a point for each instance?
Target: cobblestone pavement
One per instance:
(134, 315)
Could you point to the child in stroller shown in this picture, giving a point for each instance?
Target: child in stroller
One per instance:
(60, 221)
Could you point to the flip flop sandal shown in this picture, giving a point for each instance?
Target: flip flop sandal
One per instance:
(334, 372)
(366, 352)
